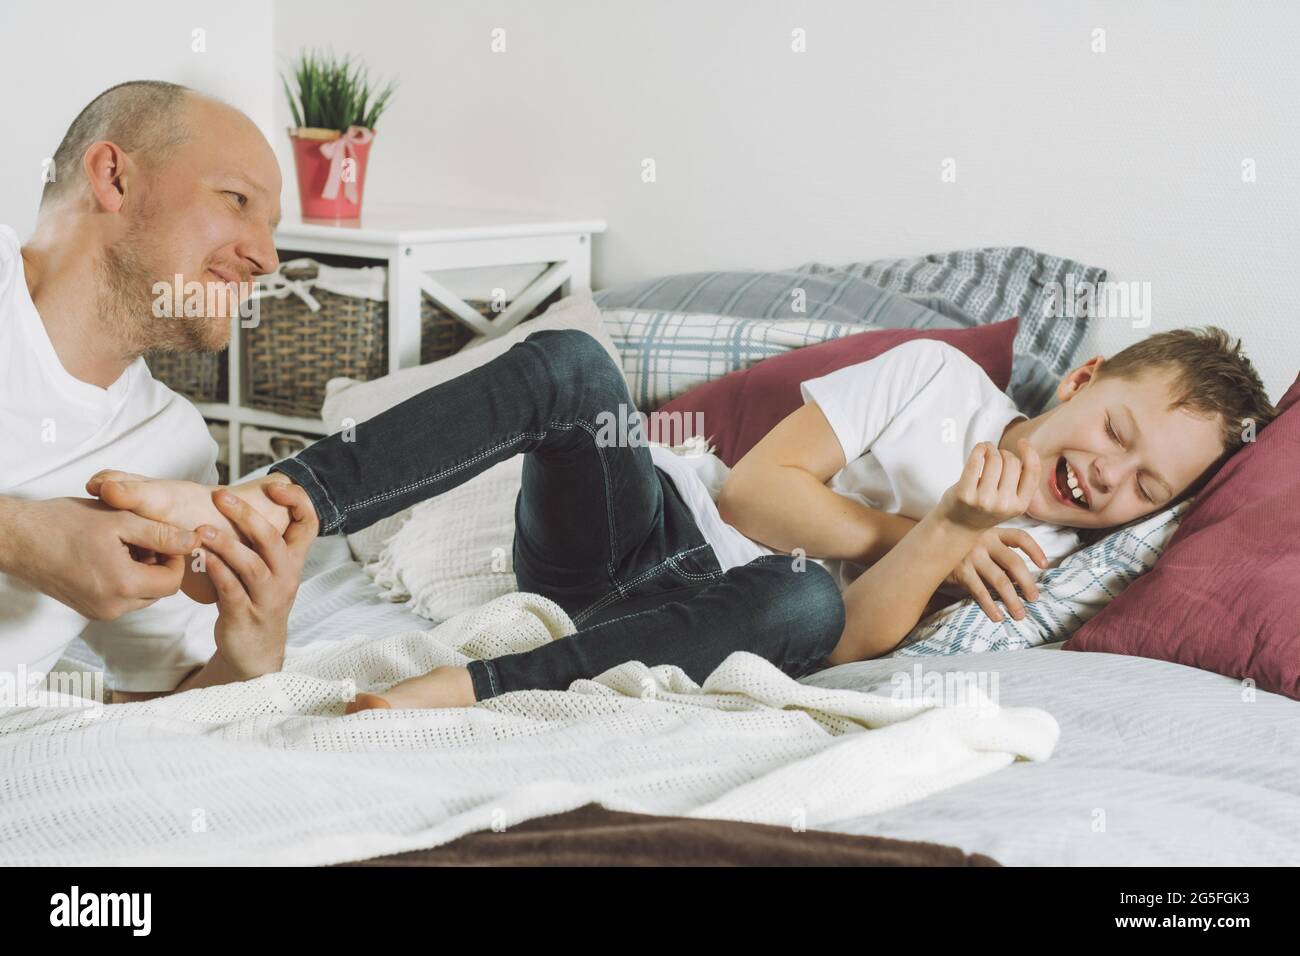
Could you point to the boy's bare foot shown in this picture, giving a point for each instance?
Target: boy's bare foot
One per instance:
(441, 687)
(187, 505)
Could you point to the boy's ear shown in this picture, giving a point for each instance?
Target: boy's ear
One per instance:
(1078, 377)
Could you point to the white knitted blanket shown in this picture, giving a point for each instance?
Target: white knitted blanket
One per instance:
(269, 772)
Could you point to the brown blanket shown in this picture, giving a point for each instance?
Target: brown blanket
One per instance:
(594, 836)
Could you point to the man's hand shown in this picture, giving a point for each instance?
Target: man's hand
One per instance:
(993, 564)
(99, 561)
(995, 485)
(256, 583)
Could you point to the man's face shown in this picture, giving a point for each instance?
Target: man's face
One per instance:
(206, 215)
(1118, 442)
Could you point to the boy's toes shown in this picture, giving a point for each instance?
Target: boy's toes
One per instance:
(367, 702)
(149, 499)
(109, 474)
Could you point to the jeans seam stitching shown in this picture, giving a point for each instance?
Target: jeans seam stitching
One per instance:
(615, 620)
(609, 496)
(485, 667)
(649, 572)
(336, 516)
(604, 478)
(693, 575)
(620, 591)
(375, 499)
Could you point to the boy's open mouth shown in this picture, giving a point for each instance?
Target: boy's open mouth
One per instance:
(1067, 487)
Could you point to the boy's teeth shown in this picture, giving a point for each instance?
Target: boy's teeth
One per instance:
(1073, 482)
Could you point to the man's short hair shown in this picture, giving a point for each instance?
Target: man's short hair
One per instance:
(1211, 377)
(146, 118)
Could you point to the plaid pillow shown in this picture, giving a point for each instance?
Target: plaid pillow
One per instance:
(812, 292)
(666, 354)
(989, 285)
(1069, 594)
(947, 290)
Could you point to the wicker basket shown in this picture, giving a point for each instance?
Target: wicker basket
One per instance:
(199, 376)
(261, 446)
(442, 334)
(292, 352)
(220, 432)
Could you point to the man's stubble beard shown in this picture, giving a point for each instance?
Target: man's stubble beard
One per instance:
(128, 270)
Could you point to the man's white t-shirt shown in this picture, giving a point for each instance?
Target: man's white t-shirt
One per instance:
(906, 421)
(55, 432)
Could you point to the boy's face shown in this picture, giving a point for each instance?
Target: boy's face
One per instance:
(1118, 442)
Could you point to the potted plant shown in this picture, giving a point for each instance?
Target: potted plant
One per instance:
(335, 111)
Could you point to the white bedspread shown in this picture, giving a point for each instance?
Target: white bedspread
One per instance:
(270, 772)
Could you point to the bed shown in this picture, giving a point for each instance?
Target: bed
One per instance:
(1146, 762)
(1156, 763)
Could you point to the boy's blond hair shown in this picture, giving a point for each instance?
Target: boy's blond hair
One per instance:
(1212, 377)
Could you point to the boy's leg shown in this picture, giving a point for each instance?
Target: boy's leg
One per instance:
(598, 528)
(792, 617)
(585, 504)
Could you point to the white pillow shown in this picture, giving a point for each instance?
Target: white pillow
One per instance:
(348, 400)
(455, 552)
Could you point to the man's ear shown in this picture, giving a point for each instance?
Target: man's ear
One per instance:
(107, 168)
(1078, 377)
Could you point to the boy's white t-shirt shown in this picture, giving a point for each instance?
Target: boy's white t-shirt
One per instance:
(906, 422)
(55, 432)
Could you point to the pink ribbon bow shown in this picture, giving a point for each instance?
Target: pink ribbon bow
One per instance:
(335, 150)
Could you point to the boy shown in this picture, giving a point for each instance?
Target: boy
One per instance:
(897, 475)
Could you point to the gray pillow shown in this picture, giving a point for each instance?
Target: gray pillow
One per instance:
(942, 291)
(826, 297)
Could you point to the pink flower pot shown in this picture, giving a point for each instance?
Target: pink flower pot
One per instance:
(314, 173)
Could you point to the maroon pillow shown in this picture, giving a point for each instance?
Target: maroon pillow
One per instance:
(740, 408)
(1225, 594)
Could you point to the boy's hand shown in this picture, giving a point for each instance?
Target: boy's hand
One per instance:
(994, 486)
(993, 564)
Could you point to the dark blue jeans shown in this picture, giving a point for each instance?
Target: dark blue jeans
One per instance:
(598, 528)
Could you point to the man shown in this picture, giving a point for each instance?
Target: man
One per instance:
(154, 183)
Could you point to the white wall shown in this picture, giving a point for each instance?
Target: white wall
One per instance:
(1129, 159)
(56, 57)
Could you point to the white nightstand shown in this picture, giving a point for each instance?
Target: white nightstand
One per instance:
(413, 242)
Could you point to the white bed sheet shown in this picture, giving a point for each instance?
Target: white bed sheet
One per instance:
(1157, 764)
(336, 599)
